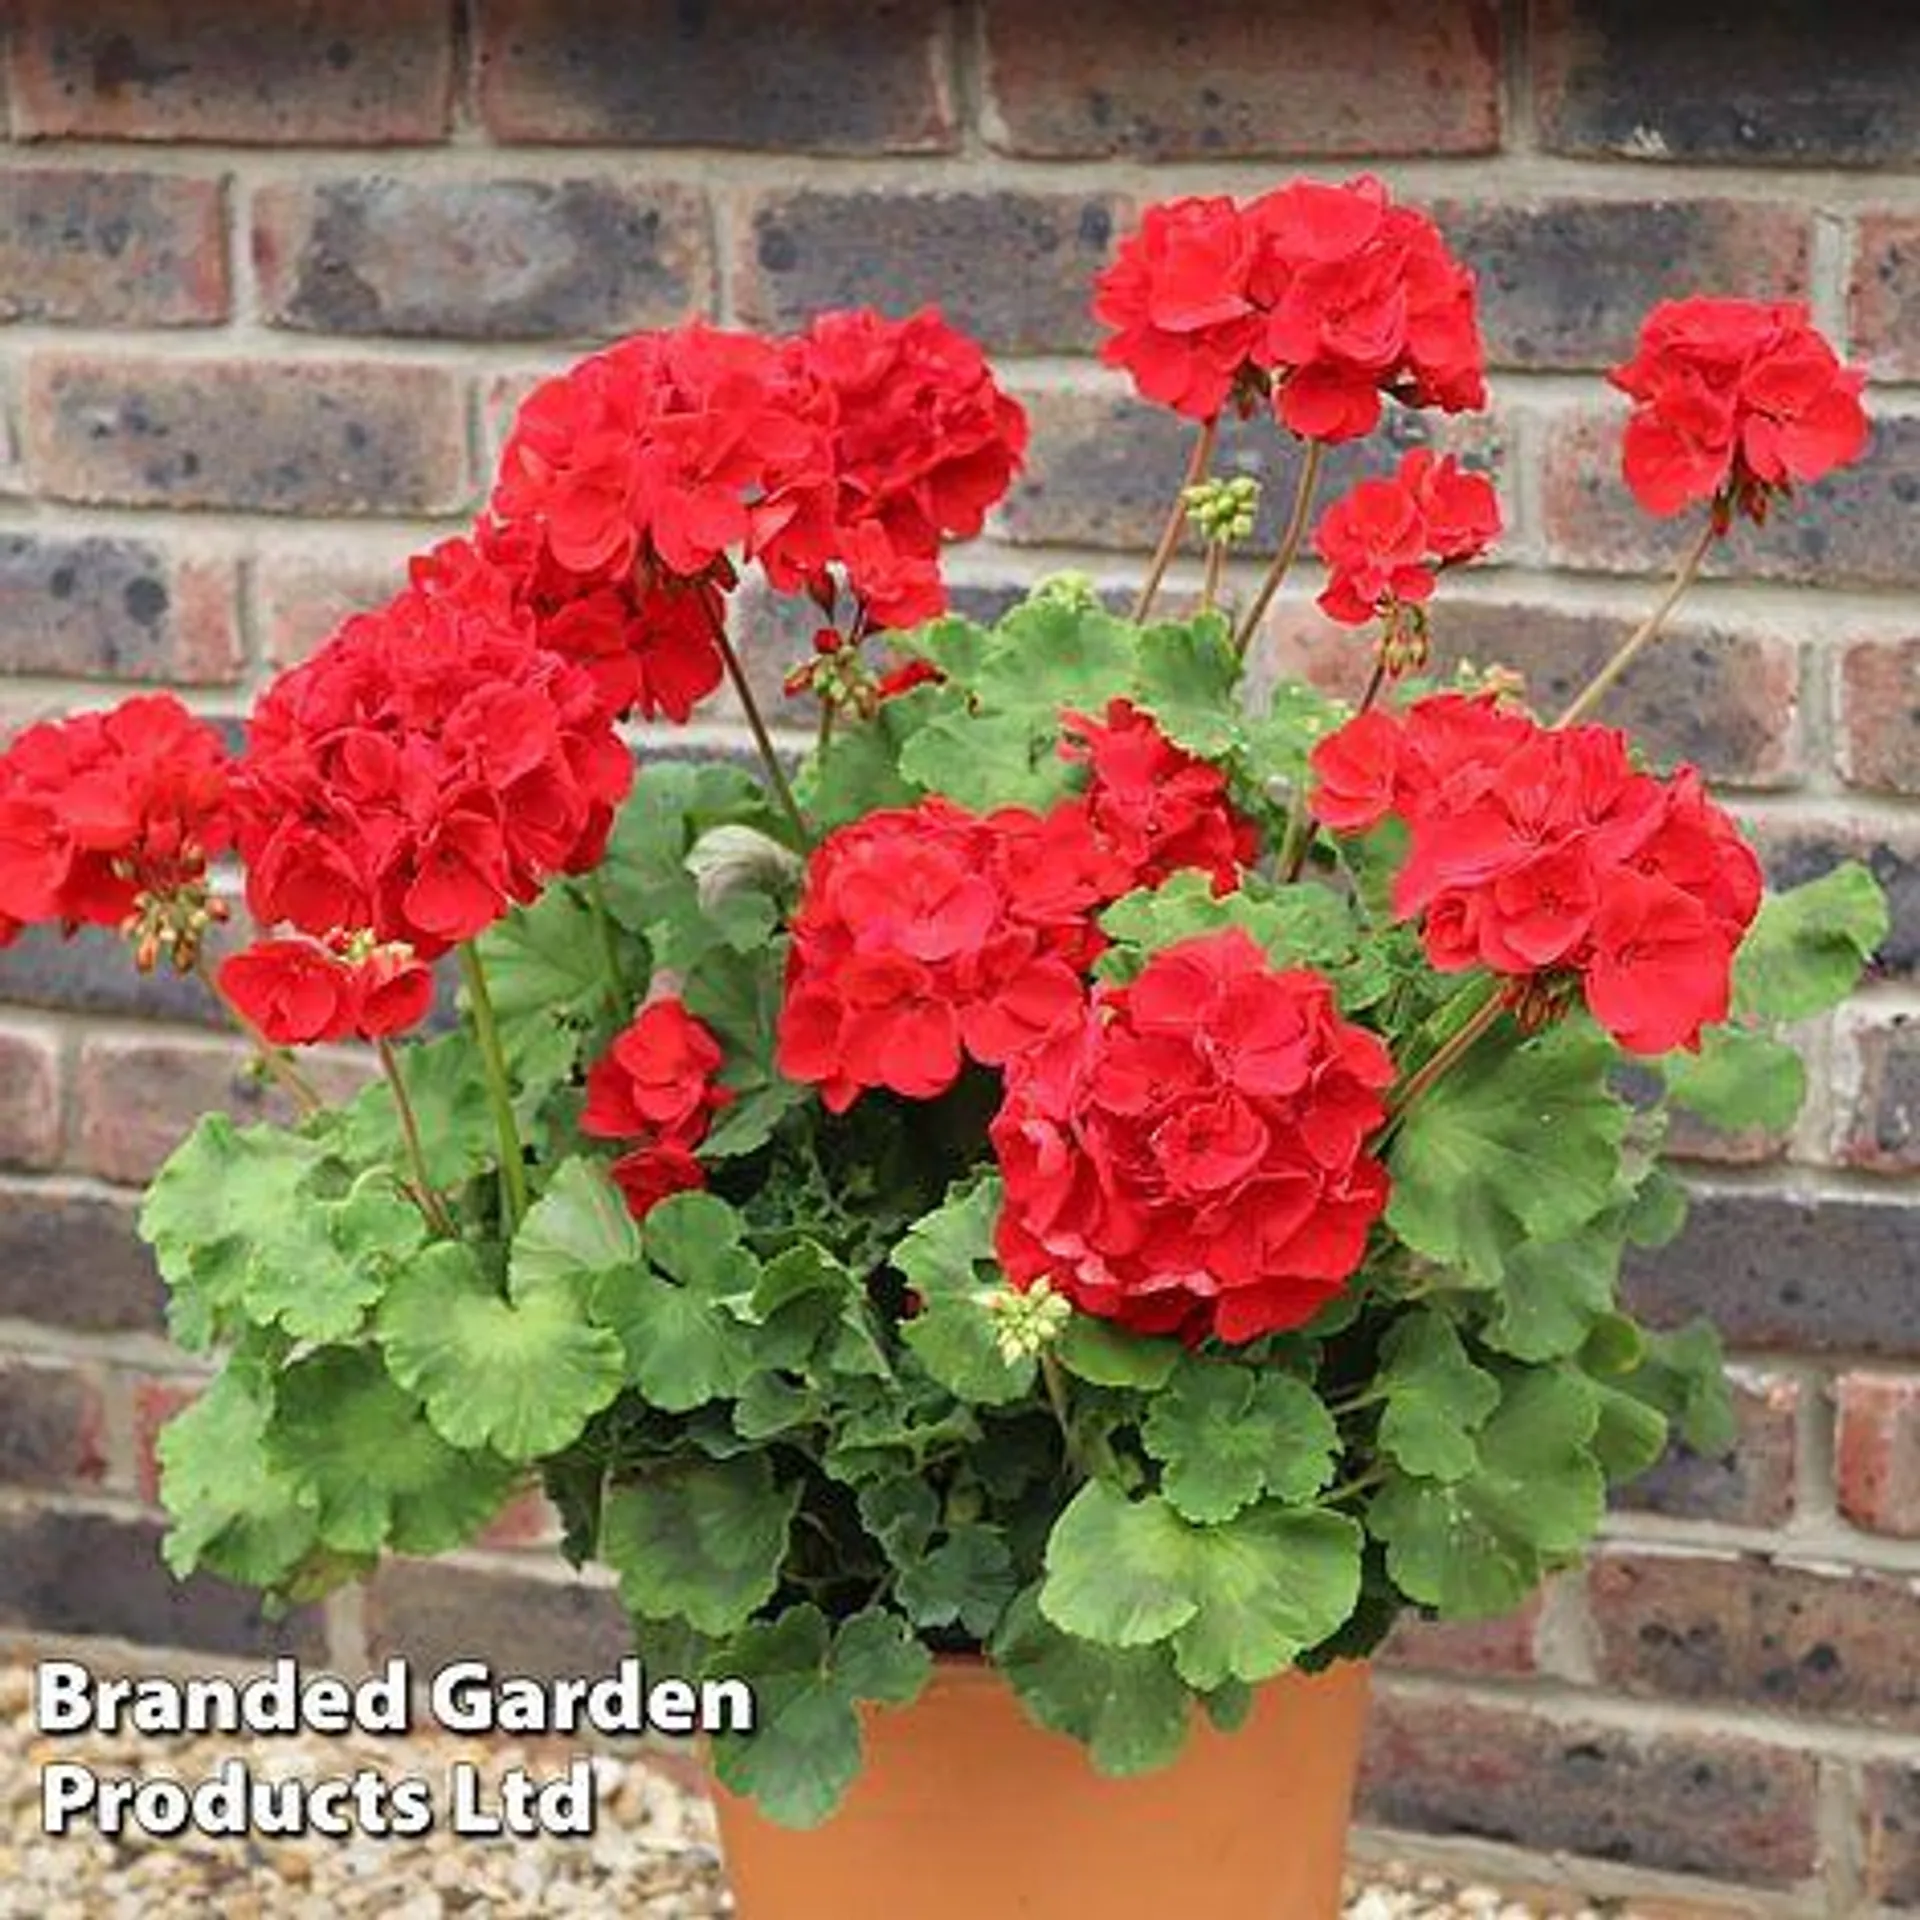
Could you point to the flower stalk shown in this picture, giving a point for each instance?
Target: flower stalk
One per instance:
(421, 1189)
(1296, 532)
(762, 739)
(1169, 543)
(493, 1063)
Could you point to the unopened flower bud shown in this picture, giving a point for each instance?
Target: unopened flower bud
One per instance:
(1026, 1324)
(1067, 589)
(1223, 510)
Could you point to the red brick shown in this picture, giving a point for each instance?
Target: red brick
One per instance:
(139, 1097)
(73, 1260)
(1728, 1809)
(1877, 1452)
(51, 1426)
(1880, 715)
(80, 247)
(298, 600)
(1879, 1118)
(1884, 298)
(820, 76)
(1566, 282)
(481, 259)
(1086, 77)
(30, 1118)
(1724, 698)
(1503, 1646)
(1752, 1486)
(1891, 1804)
(519, 1623)
(1856, 526)
(106, 607)
(155, 1402)
(529, 1520)
(345, 72)
(1755, 1631)
(297, 437)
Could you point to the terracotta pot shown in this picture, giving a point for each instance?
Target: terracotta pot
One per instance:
(968, 1811)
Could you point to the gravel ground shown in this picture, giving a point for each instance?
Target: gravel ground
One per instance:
(652, 1855)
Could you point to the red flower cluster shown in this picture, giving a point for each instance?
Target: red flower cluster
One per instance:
(426, 768)
(297, 991)
(1324, 296)
(1188, 1157)
(1543, 855)
(1384, 541)
(1735, 400)
(655, 1085)
(100, 808)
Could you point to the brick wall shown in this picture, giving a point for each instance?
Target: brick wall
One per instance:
(268, 292)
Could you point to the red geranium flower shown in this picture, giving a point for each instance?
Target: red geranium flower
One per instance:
(1384, 540)
(655, 1085)
(298, 991)
(1188, 1157)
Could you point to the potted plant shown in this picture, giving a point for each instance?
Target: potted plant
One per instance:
(1034, 1234)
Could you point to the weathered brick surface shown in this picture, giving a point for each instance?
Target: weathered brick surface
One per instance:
(109, 608)
(827, 76)
(1793, 83)
(1695, 1627)
(519, 1624)
(80, 247)
(1877, 1452)
(1751, 1486)
(486, 259)
(89, 1573)
(154, 1403)
(1122, 77)
(1880, 715)
(1012, 269)
(71, 1260)
(299, 599)
(94, 973)
(1736, 1810)
(353, 72)
(1883, 307)
(51, 1426)
(1779, 1272)
(30, 1094)
(1892, 1837)
(1503, 1646)
(1857, 527)
(1566, 282)
(1880, 1118)
(137, 1099)
(293, 438)
(1725, 699)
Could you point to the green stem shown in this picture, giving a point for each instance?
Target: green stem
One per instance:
(762, 739)
(1216, 568)
(422, 1189)
(619, 992)
(1289, 549)
(1056, 1383)
(1360, 1483)
(1446, 1054)
(1169, 543)
(513, 1171)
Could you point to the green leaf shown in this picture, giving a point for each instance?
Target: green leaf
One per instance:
(1511, 1146)
(1186, 677)
(1226, 1435)
(1477, 1546)
(548, 981)
(1806, 948)
(1551, 1294)
(941, 1257)
(1109, 1356)
(1631, 1435)
(699, 1538)
(901, 1514)
(233, 1510)
(376, 1471)
(320, 1266)
(1683, 1374)
(1118, 1570)
(671, 803)
(1738, 1079)
(448, 1093)
(966, 1580)
(576, 1231)
(1436, 1398)
(1127, 1705)
(860, 774)
(804, 1752)
(522, 1375)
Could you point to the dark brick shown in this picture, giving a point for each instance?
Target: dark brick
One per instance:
(824, 76)
(347, 72)
(495, 259)
(89, 1573)
(1013, 269)
(1793, 83)
(1503, 1646)
(1857, 525)
(544, 1628)
(1892, 1852)
(1794, 852)
(30, 1117)
(1884, 297)
(1877, 1453)
(1880, 1116)
(1748, 1630)
(1288, 77)
(80, 247)
(73, 1260)
(1681, 1803)
(1774, 1271)
(1566, 283)
(1726, 700)
(1752, 1486)
(1102, 470)
(94, 973)
(107, 608)
(1880, 715)
(298, 437)
(50, 1426)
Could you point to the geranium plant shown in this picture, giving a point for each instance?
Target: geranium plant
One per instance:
(1082, 1166)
